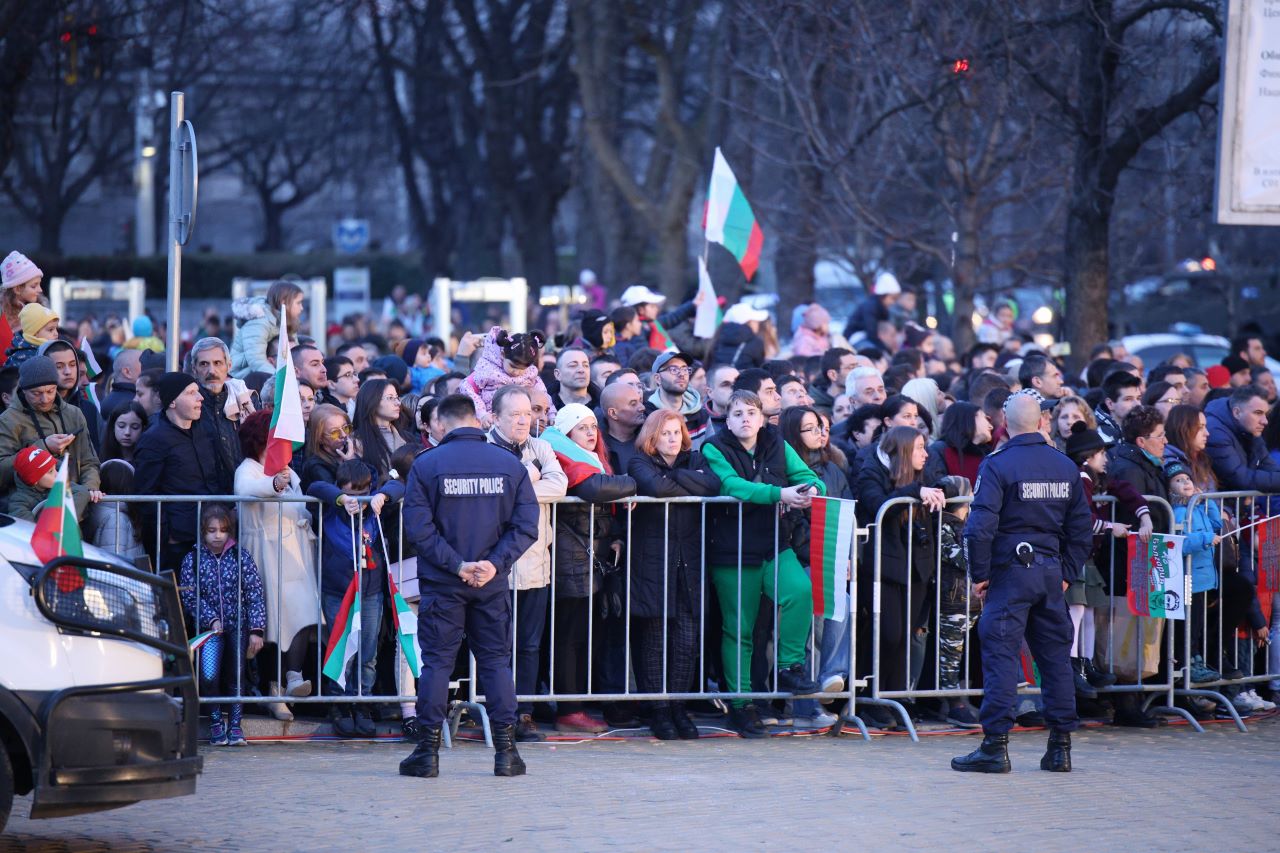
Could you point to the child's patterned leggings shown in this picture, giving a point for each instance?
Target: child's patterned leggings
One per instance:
(219, 676)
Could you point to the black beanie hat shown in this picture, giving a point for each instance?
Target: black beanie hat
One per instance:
(410, 352)
(170, 385)
(1084, 442)
(593, 324)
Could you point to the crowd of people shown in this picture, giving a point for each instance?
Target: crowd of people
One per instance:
(625, 403)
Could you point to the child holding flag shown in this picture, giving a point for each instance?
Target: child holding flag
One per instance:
(221, 591)
(352, 585)
(37, 471)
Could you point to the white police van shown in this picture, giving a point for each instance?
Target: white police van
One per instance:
(98, 704)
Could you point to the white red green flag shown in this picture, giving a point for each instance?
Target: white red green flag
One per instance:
(730, 220)
(57, 532)
(658, 337)
(830, 553)
(344, 635)
(91, 365)
(406, 627)
(287, 428)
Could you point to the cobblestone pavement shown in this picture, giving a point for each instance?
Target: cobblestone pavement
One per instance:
(1168, 789)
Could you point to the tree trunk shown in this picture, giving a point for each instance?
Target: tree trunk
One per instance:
(1087, 269)
(535, 238)
(272, 227)
(966, 274)
(51, 217)
(673, 252)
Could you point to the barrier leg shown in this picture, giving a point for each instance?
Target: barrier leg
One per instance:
(1221, 700)
(897, 708)
(455, 719)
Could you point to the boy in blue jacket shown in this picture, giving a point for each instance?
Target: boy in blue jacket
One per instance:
(351, 534)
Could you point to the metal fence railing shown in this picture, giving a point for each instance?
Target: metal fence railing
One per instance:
(614, 648)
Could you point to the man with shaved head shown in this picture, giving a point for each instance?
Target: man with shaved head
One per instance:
(1028, 534)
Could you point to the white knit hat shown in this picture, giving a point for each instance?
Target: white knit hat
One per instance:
(572, 415)
(18, 269)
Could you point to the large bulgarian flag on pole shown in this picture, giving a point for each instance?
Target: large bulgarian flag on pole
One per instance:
(830, 550)
(729, 220)
(287, 428)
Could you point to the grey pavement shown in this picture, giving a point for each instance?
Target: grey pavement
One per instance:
(1132, 790)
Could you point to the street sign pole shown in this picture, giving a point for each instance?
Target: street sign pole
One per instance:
(177, 107)
(183, 182)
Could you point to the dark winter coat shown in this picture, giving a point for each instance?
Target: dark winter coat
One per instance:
(120, 396)
(672, 533)
(222, 442)
(869, 314)
(739, 346)
(170, 460)
(1240, 460)
(575, 532)
(900, 525)
(945, 461)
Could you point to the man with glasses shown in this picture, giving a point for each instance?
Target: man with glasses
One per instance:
(343, 384)
(671, 372)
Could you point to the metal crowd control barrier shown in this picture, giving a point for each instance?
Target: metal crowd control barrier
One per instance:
(703, 688)
(892, 698)
(1233, 589)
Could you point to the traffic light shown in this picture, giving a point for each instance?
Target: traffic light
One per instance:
(960, 66)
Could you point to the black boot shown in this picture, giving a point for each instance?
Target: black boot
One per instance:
(1083, 687)
(991, 756)
(424, 762)
(685, 727)
(1129, 713)
(661, 724)
(1057, 758)
(506, 761)
(1097, 677)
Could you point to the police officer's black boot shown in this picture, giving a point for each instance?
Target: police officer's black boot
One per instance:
(991, 756)
(506, 761)
(424, 762)
(1057, 758)
(1083, 687)
(1097, 677)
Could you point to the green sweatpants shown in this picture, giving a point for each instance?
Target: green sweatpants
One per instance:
(795, 614)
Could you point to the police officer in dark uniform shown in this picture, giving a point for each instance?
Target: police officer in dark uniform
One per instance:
(1029, 532)
(470, 512)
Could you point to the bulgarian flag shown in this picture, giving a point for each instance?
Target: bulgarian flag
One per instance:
(287, 428)
(830, 549)
(729, 219)
(578, 463)
(658, 337)
(90, 360)
(406, 627)
(198, 641)
(57, 532)
(344, 637)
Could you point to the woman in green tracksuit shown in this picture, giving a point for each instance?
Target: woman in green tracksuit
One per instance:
(755, 465)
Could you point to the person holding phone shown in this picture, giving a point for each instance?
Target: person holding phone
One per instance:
(756, 466)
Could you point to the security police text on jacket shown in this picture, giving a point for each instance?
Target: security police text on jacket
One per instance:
(463, 494)
(1029, 497)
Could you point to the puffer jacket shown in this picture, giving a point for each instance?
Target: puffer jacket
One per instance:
(1199, 527)
(19, 351)
(670, 538)
(575, 531)
(904, 530)
(1240, 460)
(533, 569)
(257, 326)
(739, 346)
(488, 375)
(229, 586)
(21, 426)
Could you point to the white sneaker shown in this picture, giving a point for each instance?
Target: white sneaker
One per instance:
(833, 684)
(820, 720)
(1260, 702)
(1245, 703)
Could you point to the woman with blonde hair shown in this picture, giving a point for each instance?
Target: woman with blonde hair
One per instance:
(1070, 410)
